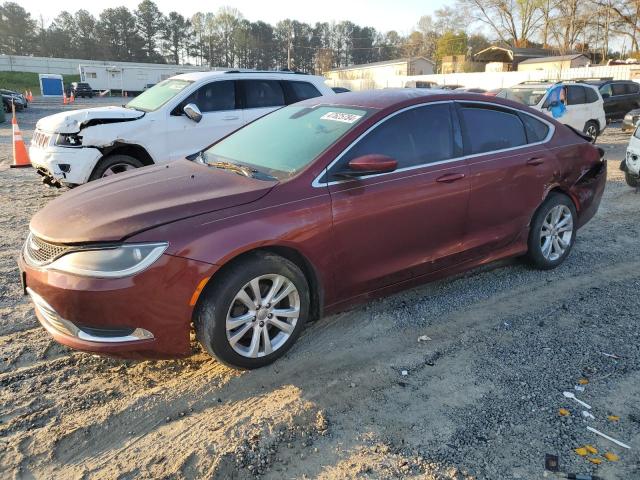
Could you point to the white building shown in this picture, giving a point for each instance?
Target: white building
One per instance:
(389, 68)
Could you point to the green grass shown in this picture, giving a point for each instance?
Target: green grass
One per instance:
(21, 81)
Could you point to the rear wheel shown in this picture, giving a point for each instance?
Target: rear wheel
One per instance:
(252, 314)
(631, 180)
(553, 232)
(114, 164)
(592, 129)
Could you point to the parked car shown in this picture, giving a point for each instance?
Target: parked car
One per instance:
(309, 210)
(171, 120)
(340, 89)
(494, 92)
(619, 96)
(631, 120)
(631, 163)
(18, 99)
(581, 104)
(81, 89)
(450, 87)
(421, 84)
(471, 90)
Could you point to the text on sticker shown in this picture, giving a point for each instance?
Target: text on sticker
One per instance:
(341, 117)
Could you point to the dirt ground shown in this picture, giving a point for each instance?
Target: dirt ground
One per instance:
(358, 396)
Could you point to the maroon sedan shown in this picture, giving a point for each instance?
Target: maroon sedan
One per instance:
(309, 210)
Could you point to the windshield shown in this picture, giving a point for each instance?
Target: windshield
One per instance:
(152, 99)
(528, 96)
(287, 140)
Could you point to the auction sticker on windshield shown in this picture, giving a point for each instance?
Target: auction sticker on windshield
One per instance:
(341, 117)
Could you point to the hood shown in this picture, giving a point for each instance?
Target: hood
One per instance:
(110, 210)
(75, 120)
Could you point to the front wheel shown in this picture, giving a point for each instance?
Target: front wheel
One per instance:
(631, 180)
(114, 164)
(553, 232)
(254, 312)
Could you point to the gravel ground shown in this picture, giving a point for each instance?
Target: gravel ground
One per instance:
(358, 396)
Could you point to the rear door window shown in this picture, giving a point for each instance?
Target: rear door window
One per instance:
(299, 91)
(576, 95)
(633, 88)
(263, 93)
(592, 95)
(489, 129)
(536, 130)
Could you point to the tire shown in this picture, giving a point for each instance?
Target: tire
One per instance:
(219, 302)
(540, 257)
(631, 180)
(592, 129)
(115, 164)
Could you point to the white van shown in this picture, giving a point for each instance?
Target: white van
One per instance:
(631, 163)
(576, 104)
(173, 119)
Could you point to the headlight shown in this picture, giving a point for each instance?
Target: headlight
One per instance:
(68, 140)
(116, 262)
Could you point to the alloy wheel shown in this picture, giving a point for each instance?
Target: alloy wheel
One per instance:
(263, 315)
(556, 232)
(592, 132)
(117, 168)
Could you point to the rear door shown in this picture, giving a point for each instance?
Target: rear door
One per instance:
(578, 112)
(619, 97)
(633, 97)
(217, 102)
(259, 97)
(394, 226)
(509, 170)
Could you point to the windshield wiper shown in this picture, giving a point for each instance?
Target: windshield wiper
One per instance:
(234, 167)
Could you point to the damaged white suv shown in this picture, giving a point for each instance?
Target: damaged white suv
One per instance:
(176, 118)
(631, 163)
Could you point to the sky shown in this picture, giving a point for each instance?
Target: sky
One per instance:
(384, 15)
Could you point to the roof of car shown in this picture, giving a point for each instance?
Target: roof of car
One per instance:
(197, 76)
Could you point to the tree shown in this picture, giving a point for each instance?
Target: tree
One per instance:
(17, 30)
(514, 21)
(175, 33)
(149, 22)
(84, 40)
(452, 44)
(118, 35)
(60, 36)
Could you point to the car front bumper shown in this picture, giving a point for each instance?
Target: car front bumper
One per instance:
(61, 165)
(632, 163)
(629, 123)
(147, 315)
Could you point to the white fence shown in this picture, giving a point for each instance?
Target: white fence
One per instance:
(491, 80)
(69, 66)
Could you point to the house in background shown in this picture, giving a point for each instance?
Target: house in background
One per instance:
(386, 69)
(498, 58)
(560, 62)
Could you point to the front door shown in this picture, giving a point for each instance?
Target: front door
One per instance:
(217, 102)
(394, 226)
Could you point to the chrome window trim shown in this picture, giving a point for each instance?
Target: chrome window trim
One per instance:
(316, 181)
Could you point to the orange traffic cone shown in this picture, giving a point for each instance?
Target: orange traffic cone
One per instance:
(72, 98)
(64, 97)
(20, 155)
(30, 96)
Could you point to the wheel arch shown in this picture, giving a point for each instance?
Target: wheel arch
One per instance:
(316, 289)
(131, 149)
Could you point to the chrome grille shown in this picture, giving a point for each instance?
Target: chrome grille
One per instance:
(39, 252)
(40, 139)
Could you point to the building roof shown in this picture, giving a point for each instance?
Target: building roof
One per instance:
(515, 52)
(557, 58)
(380, 64)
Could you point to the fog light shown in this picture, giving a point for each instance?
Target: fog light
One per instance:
(65, 167)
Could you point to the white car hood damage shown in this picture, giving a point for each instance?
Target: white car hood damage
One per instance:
(75, 120)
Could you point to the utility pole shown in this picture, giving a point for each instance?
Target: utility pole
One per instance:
(289, 46)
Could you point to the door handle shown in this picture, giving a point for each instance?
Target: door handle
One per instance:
(534, 161)
(450, 177)
(230, 117)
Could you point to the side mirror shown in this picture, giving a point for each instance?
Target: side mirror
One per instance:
(192, 111)
(605, 95)
(371, 164)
